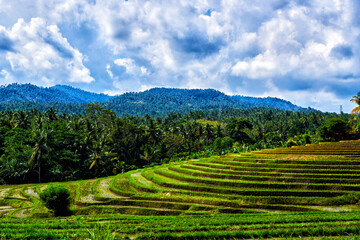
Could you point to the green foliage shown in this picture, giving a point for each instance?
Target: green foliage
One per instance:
(236, 130)
(59, 93)
(57, 198)
(335, 129)
(222, 145)
(155, 102)
(328, 225)
(48, 146)
(290, 143)
(357, 127)
(350, 198)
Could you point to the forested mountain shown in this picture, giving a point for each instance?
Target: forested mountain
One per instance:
(268, 102)
(59, 93)
(155, 102)
(160, 101)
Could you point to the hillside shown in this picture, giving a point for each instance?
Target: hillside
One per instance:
(59, 93)
(161, 101)
(266, 188)
(269, 102)
(155, 102)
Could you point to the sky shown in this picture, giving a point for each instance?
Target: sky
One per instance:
(304, 51)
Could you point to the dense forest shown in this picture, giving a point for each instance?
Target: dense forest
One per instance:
(23, 93)
(157, 102)
(51, 146)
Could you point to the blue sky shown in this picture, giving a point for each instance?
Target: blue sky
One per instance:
(304, 51)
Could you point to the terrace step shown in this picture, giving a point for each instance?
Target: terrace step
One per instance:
(171, 183)
(253, 184)
(102, 191)
(230, 166)
(193, 171)
(216, 168)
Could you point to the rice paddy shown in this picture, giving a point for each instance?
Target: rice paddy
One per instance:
(308, 191)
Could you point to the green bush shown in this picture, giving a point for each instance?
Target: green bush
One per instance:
(350, 198)
(57, 198)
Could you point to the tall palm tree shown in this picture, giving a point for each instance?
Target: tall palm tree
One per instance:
(21, 120)
(356, 99)
(41, 147)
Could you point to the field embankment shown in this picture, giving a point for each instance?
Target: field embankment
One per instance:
(308, 191)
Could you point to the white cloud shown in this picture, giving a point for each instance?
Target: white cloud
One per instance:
(128, 63)
(297, 42)
(6, 77)
(4, 6)
(40, 52)
(57, 11)
(238, 46)
(321, 99)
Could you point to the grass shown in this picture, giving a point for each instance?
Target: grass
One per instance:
(280, 193)
(228, 226)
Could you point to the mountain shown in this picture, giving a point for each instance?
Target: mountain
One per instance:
(155, 102)
(160, 101)
(268, 102)
(59, 93)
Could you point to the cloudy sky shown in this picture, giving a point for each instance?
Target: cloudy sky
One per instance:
(304, 51)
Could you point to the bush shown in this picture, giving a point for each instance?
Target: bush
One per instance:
(57, 198)
(350, 198)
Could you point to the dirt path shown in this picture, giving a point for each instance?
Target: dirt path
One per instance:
(4, 192)
(16, 193)
(32, 192)
(103, 189)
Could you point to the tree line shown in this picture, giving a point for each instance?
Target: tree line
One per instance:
(47, 146)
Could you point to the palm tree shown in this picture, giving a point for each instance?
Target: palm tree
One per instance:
(21, 120)
(356, 99)
(41, 147)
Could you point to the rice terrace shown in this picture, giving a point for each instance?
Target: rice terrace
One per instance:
(191, 119)
(303, 192)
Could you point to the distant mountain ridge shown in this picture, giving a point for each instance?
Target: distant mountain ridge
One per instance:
(269, 102)
(59, 93)
(156, 101)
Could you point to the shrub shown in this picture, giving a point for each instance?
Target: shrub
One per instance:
(350, 198)
(57, 198)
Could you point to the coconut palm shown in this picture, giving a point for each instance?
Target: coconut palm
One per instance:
(356, 99)
(42, 140)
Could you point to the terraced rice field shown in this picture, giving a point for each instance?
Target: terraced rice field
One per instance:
(309, 192)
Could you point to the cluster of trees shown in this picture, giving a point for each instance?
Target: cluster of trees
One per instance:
(46, 146)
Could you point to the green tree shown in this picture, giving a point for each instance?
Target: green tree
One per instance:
(221, 145)
(356, 99)
(334, 129)
(42, 139)
(236, 130)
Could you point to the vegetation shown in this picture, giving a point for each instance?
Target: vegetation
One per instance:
(335, 129)
(282, 193)
(188, 175)
(13, 93)
(46, 146)
(57, 198)
(155, 102)
(356, 99)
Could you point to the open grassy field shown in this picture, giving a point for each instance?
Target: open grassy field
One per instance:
(300, 192)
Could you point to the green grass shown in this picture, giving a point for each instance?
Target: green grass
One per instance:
(228, 226)
(280, 193)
